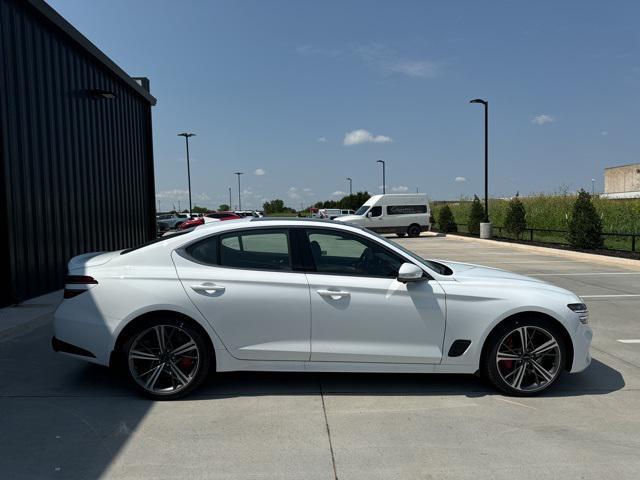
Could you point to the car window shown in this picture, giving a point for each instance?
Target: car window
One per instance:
(406, 209)
(362, 210)
(342, 253)
(205, 251)
(260, 249)
(376, 211)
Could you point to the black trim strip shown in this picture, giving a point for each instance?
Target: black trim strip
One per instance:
(60, 346)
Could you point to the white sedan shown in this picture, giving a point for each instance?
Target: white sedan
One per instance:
(311, 295)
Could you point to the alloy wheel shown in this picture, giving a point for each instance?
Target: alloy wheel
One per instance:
(164, 359)
(528, 358)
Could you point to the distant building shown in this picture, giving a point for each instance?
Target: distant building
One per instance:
(622, 181)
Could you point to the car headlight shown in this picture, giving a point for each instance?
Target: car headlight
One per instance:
(581, 310)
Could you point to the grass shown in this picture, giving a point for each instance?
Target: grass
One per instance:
(552, 212)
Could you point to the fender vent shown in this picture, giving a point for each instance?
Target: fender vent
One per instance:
(459, 347)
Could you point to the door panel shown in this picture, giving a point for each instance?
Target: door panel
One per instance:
(258, 314)
(376, 320)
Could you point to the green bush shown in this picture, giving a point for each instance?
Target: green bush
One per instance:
(476, 216)
(446, 222)
(515, 220)
(585, 226)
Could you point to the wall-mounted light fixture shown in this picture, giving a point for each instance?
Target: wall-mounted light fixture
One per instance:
(99, 94)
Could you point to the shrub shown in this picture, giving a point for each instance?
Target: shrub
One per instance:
(515, 221)
(476, 216)
(585, 226)
(446, 222)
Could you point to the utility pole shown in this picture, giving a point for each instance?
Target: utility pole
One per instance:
(230, 202)
(239, 198)
(186, 139)
(384, 182)
(350, 186)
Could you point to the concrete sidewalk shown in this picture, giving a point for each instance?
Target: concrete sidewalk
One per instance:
(25, 316)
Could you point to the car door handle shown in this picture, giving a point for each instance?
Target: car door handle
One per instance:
(335, 294)
(207, 288)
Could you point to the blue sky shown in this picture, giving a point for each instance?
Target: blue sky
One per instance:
(277, 89)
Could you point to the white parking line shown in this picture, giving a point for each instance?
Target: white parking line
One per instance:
(529, 261)
(631, 340)
(611, 296)
(578, 274)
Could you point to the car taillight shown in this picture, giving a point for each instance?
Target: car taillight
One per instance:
(77, 280)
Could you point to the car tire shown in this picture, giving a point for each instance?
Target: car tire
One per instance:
(528, 372)
(166, 359)
(401, 234)
(177, 225)
(413, 230)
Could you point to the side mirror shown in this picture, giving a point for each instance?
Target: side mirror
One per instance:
(368, 214)
(410, 273)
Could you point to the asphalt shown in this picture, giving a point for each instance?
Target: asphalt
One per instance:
(60, 418)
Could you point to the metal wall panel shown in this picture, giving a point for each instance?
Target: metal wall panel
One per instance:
(76, 169)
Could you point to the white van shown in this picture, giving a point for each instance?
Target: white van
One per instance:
(402, 214)
(332, 213)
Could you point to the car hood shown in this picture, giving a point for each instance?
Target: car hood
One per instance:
(470, 273)
(350, 218)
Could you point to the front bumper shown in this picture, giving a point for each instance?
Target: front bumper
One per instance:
(581, 342)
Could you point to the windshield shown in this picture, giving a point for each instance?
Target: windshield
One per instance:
(362, 210)
(435, 266)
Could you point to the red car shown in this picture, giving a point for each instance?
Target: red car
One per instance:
(219, 216)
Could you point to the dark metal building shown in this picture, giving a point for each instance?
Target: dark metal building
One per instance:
(76, 155)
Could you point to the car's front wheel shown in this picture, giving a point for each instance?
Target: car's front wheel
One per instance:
(525, 357)
(413, 230)
(167, 359)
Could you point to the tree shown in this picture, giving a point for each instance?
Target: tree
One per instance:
(274, 206)
(223, 207)
(197, 209)
(446, 222)
(515, 221)
(353, 201)
(585, 226)
(476, 216)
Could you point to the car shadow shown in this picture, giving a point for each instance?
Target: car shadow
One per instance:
(598, 379)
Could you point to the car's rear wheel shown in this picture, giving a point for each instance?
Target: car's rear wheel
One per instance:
(413, 230)
(167, 359)
(525, 357)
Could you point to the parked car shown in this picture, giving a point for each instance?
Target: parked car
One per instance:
(325, 296)
(210, 217)
(171, 220)
(402, 214)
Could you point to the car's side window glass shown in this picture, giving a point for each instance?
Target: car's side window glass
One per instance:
(259, 249)
(375, 211)
(205, 251)
(342, 253)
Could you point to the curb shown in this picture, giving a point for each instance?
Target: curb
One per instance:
(586, 257)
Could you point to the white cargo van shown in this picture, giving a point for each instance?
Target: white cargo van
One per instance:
(402, 214)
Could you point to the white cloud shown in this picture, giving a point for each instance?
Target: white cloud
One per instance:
(172, 194)
(363, 136)
(400, 188)
(460, 179)
(293, 193)
(322, 139)
(338, 193)
(259, 172)
(414, 68)
(542, 119)
(604, 133)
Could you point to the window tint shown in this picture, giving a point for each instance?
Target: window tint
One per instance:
(376, 211)
(406, 209)
(342, 253)
(261, 249)
(205, 251)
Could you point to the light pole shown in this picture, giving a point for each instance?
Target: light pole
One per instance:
(350, 186)
(186, 139)
(486, 156)
(593, 186)
(239, 200)
(230, 208)
(384, 187)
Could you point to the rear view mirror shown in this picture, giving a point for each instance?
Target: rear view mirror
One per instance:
(409, 273)
(368, 214)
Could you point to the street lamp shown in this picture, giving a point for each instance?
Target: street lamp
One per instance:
(230, 208)
(239, 200)
(486, 156)
(186, 139)
(383, 176)
(593, 186)
(350, 186)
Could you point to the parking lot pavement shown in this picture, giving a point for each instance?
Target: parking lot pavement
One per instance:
(60, 418)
